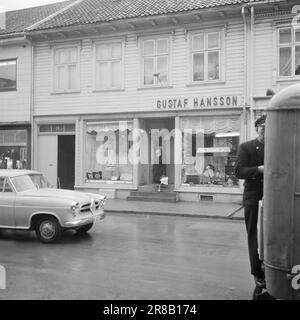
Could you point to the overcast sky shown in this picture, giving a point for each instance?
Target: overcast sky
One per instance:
(9, 5)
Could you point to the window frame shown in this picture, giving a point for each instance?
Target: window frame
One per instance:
(205, 51)
(95, 61)
(155, 38)
(55, 88)
(293, 44)
(16, 74)
(85, 170)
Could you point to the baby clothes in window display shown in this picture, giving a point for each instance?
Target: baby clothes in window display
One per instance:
(208, 174)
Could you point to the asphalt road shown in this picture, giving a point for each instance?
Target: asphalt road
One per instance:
(131, 257)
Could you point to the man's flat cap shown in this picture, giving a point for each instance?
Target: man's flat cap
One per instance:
(261, 120)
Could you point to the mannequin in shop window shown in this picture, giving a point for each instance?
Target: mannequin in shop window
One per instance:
(208, 174)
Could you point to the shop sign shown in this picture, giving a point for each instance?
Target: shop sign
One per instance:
(198, 102)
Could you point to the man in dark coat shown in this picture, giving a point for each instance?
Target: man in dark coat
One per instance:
(250, 166)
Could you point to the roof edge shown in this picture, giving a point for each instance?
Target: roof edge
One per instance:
(52, 15)
(253, 4)
(132, 19)
(14, 40)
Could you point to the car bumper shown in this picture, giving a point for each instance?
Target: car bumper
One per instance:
(77, 222)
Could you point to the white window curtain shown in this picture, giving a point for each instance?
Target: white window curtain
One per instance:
(211, 125)
(96, 127)
(155, 61)
(109, 66)
(289, 52)
(66, 77)
(206, 55)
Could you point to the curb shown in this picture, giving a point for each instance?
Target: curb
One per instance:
(229, 217)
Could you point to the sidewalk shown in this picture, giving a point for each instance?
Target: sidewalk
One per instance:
(232, 211)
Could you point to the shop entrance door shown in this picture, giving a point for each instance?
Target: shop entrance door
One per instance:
(66, 162)
(157, 147)
(47, 157)
(159, 169)
(56, 159)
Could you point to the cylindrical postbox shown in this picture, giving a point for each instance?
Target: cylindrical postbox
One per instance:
(281, 221)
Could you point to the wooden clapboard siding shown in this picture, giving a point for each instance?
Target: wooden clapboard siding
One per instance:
(264, 56)
(133, 98)
(15, 105)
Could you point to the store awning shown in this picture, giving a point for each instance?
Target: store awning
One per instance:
(97, 127)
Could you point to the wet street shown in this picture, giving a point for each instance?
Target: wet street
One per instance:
(131, 257)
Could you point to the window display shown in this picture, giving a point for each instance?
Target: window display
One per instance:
(107, 150)
(209, 150)
(13, 149)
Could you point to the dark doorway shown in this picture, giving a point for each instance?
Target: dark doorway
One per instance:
(66, 162)
(159, 169)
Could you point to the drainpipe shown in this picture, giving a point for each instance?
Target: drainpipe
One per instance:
(31, 107)
(251, 63)
(244, 116)
(31, 102)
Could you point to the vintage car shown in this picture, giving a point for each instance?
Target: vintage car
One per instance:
(28, 202)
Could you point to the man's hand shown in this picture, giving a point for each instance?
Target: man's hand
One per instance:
(261, 169)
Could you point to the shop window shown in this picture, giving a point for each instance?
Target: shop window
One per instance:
(208, 142)
(289, 52)
(155, 62)
(66, 69)
(13, 149)
(8, 75)
(206, 56)
(109, 66)
(107, 155)
(209, 151)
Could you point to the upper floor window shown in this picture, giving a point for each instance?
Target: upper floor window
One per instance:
(155, 62)
(66, 69)
(8, 75)
(289, 52)
(109, 66)
(206, 56)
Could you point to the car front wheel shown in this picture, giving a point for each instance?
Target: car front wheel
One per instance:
(85, 228)
(48, 229)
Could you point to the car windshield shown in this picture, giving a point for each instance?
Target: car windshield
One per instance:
(40, 181)
(23, 183)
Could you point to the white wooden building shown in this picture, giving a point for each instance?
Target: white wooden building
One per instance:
(16, 96)
(201, 71)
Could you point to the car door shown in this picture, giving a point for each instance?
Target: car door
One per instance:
(7, 204)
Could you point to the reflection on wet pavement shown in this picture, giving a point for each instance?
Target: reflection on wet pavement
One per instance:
(131, 257)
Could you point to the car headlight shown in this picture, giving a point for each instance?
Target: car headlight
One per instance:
(74, 207)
